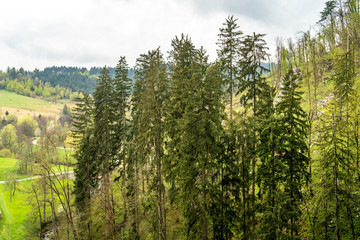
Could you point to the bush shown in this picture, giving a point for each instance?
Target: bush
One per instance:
(6, 153)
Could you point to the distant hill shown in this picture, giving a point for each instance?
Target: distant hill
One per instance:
(74, 78)
(77, 79)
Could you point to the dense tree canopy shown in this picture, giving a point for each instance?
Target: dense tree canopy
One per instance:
(220, 150)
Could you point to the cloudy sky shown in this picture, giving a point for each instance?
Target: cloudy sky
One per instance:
(85, 33)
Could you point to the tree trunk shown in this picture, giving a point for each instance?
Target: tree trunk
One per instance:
(337, 232)
(204, 217)
(124, 165)
(108, 214)
(231, 91)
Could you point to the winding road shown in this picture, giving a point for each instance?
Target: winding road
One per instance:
(34, 142)
(35, 177)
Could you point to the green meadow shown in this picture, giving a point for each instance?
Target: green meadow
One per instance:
(10, 99)
(17, 210)
(21, 105)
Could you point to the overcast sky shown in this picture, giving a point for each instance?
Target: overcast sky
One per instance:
(85, 33)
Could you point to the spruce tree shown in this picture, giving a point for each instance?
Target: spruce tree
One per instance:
(103, 134)
(228, 53)
(344, 92)
(152, 68)
(121, 91)
(136, 157)
(251, 88)
(85, 171)
(337, 154)
(293, 151)
(333, 163)
(181, 60)
(251, 77)
(198, 147)
(270, 175)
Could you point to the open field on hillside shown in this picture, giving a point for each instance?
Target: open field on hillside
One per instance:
(22, 105)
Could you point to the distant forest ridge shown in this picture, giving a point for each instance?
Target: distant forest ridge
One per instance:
(75, 78)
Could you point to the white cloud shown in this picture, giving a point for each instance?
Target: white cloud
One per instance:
(40, 33)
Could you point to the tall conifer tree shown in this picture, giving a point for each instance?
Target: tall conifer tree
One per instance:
(152, 68)
(182, 57)
(198, 147)
(228, 53)
(121, 91)
(85, 171)
(251, 87)
(103, 120)
(293, 151)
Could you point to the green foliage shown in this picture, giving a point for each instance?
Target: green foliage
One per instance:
(9, 138)
(65, 110)
(252, 80)
(270, 176)
(286, 166)
(27, 126)
(103, 118)
(16, 223)
(85, 171)
(6, 153)
(229, 43)
(69, 78)
(328, 12)
(120, 95)
(104, 141)
(293, 148)
(152, 67)
(27, 88)
(194, 114)
(252, 90)
(344, 77)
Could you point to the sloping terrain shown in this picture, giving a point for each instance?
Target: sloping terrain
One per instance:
(21, 105)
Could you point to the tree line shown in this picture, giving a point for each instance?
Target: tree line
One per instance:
(26, 86)
(71, 79)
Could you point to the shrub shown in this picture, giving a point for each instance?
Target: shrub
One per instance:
(6, 153)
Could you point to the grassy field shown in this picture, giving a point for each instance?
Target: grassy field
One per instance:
(8, 169)
(16, 211)
(22, 105)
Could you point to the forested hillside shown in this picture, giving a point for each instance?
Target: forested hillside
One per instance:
(194, 149)
(72, 78)
(77, 79)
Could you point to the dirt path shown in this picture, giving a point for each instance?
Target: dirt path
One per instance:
(34, 142)
(35, 177)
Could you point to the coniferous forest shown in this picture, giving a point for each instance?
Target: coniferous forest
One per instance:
(229, 149)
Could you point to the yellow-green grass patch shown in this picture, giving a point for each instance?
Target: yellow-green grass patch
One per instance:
(16, 211)
(21, 105)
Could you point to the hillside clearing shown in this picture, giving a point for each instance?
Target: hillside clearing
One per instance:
(21, 105)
